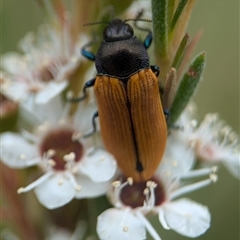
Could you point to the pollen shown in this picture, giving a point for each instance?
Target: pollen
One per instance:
(214, 169)
(167, 173)
(213, 177)
(78, 188)
(116, 184)
(69, 157)
(51, 162)
(76, 136)
(50, 152)
(20, 190)
(125, 229)
(174, 163)
(193, 123)
(146, 191)
(130, 181)
(22, 156)
(60, 181)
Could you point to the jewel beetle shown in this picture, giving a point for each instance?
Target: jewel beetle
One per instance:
(132, 120)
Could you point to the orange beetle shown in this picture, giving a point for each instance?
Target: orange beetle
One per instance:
(133, 125)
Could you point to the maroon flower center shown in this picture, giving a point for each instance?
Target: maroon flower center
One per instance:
(46, 72)
(7, 107)
(60, 140)
(133, 195)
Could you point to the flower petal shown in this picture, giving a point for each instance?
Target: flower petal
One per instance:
(13, 63)
(86, 110)
(98, 165)
(120, 225)
(233, 167)
(177, 160)
(14, 90)
(55, 192)
(90, 188)
(49, 112)
(17, 152)
(50, 91)
(187, 217)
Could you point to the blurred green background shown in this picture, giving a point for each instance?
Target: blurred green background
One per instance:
(218, 91)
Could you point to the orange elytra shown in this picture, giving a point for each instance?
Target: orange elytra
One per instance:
(132, 120)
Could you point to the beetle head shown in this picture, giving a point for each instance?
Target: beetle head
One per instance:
(117, 30)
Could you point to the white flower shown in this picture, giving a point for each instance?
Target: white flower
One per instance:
(213, 141)
(73, 168)
(137, 6)
(42, 71)
(53, 233)
(57, 233)
(133, 201)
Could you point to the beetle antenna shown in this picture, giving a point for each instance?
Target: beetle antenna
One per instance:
(95, 23)
(138, 19)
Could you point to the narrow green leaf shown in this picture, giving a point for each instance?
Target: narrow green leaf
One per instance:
(177, 14)
(171, 6)
(160, 26)
(180, 52)
(186, 87)
(170, 88)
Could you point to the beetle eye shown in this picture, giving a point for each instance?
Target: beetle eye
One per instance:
(105, 33)
(117, 30)
(128, 30)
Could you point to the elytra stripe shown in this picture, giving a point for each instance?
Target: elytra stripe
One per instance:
(148, 119)
(138, 105)
(115, 121)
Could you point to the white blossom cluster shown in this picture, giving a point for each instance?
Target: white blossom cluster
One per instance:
(76, 167)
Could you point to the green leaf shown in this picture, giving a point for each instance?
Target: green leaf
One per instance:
(160, 26)
(186, 88)
(177, 14)
(180, 52)
(171, 6)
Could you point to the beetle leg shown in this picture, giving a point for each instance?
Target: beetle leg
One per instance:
(89, 55)
(148, 40)
(167, 114)
(88, 84)
(155, 69)
(95, 115)
(174, 127)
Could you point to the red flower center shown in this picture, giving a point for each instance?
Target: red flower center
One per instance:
(133, 195)
(60, 140)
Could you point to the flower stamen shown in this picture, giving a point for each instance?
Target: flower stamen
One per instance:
(72, 180)
(70, 160)
(148, 226)
(51, 163)
(150, 194)
(193, 187)
(118, 186)
(200, 172)
(36, 183)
